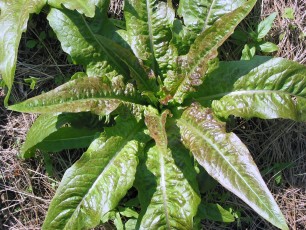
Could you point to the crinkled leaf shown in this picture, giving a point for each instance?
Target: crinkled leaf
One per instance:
(95, 184)
(86, 7)
(228, 160)
(199, 15)
(193, 66)
(275, 89)
(166, 181)
(78, 37)
(149, 25)
(166, 197)
(96, 94)
(14, 16)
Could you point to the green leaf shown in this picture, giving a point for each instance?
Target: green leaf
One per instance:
(150, 39)
(268, 47)
(118, 222)
(193, 66)
(166, 197)
(137, 71)
(130, 224)
(183, 38)
(215, 212)
(31, 44)
(78, 37)
(275, 89)
(265, 26)
(95, 184)
(127, 212)
(108, 216)
(228, 161)
(86, 7)
(61, 131)
(68, 138)
(248, 52)
(13, 21)
(50, 123)
(288, 13)
(94, 94)
(48, 163)
(32, 81)
(118, 23)
(240, 35)
(221, 77)
(166, 181)
(199, 15)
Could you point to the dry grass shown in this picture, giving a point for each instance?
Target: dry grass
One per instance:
(26, 188)
(288, 33)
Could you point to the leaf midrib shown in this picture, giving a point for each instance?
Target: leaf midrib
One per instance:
(63, 103)
(208, 15)
(247, 92)
(124, 143)
(198, 132)
(70, 138)
(163, 183)
(150, 34)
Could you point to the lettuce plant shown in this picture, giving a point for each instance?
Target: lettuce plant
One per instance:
(156, 79)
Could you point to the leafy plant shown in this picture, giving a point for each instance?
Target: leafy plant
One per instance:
(254, 39)
(158, 87)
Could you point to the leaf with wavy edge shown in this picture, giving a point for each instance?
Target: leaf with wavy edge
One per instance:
(150, 39)
(95, 184)
(98, 95)
(167, 198)
(86, 7)
(199, 15)
(78, 38)
(14, 16)
(228, 161)
(274, 89)
(193, 66)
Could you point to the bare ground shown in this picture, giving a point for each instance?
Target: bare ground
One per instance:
(26, 187)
